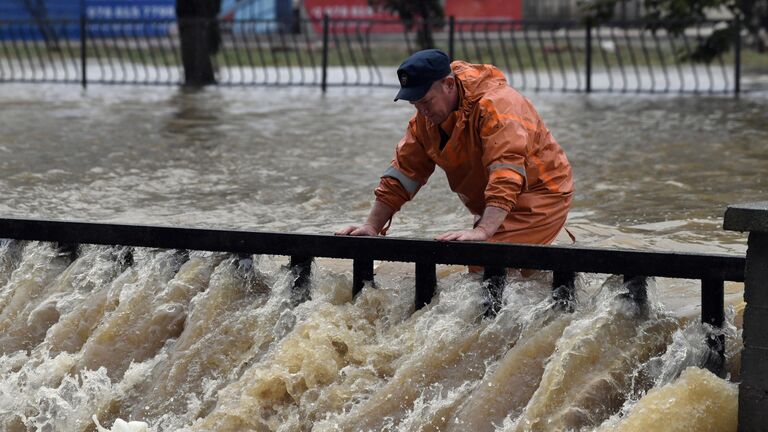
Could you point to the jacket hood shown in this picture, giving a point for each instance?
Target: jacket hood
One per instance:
(476, 81)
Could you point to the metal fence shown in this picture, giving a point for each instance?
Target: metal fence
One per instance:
(635, 266)
(536, 55)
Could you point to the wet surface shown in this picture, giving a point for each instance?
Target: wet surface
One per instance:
(652, 168)
(207, 341)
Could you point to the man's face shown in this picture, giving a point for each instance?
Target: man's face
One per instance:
(439, 102)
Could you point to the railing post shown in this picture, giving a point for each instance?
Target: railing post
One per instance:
(753, 403)
(588, 53)
(362, 271)
(301, 266)
(737, 57)
(326, 28)
(712, 313)
(426, 280)
(563, 289)
(451, 35)
(83, 41)
(638, 288)
(495, 277)
(69, 249)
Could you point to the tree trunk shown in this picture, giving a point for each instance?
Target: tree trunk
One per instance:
(424, 35)
(424, 31)
(198, 67)
(200, 39)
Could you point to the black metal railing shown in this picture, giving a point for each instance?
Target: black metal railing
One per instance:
(564, 262)
(536, 55)
(753, 374)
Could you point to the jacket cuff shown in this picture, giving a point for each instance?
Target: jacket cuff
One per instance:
(502, 204)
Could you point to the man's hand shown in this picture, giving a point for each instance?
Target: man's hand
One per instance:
(358, 230)
(485, 227)
(477, 234)
(377, 218)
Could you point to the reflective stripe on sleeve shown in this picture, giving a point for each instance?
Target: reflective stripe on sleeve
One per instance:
(518, 169)
(410, 185)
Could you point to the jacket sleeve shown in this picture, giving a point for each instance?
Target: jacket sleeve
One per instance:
(408, 172)
(504, 136)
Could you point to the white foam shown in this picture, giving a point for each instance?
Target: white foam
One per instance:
(122, 426)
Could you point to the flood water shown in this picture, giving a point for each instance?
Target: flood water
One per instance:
(203, 341)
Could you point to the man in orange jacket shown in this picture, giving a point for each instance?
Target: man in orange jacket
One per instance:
(498, 155)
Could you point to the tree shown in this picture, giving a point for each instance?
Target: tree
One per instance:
(677, 15)
(421, 14)
(200, 39)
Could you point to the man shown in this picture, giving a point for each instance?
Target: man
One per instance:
(497, 153)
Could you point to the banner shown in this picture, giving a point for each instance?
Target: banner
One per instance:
(130, 9)
(361, 10)
(55, 19)
(485, 9)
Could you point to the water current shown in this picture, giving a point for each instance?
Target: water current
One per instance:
(165, 340)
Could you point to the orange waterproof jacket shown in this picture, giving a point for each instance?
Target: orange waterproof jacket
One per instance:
(499, 153)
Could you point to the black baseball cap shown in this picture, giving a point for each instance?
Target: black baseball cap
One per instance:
(417, 73)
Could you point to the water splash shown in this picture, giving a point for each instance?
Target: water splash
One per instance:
(709, 404)
(122, 426)
(173, 341)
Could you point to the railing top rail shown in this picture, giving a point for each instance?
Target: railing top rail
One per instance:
(747, 217)
(557, 258)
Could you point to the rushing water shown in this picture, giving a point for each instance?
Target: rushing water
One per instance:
(206, 341)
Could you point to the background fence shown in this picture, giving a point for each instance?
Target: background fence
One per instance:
(536, 55)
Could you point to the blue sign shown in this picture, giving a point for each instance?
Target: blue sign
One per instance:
(45, 19)
(26, 10)
(257, 15)
(130, 10)
(121, 18)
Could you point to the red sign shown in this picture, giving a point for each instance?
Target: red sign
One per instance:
(468, 9)
(361, 10)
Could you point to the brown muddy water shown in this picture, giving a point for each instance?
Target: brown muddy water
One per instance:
(194, 341)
